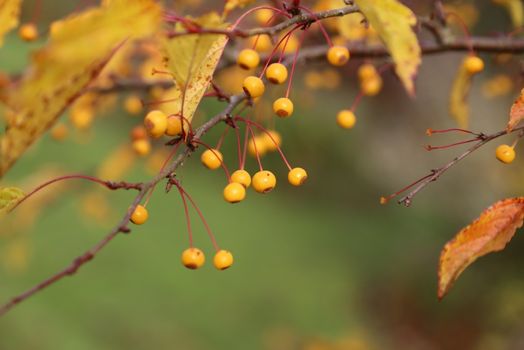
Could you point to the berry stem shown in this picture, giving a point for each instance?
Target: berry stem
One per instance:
(221, 139)
(244, 152)
(324, 32)
(431, 148)
(255, 147)
(250, 11)
(295, 57)
(275, 49)
(430, 131)
(239, 150)
(465, 30)
(222, 164)
(186, 213)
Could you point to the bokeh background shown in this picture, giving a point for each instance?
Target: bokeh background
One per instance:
(324, 266)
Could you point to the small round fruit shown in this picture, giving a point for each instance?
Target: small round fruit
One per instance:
(338, 55)
(142, 147)
(223, 259)
(367, 71)
(263, 16)
(82, 118)
(505, 153)
(264, 181)
(59, 132)
(474, 64)
(297, 176)
(242, 177)
(253, 86)
(283, 107)
(156, 123)
(28, 32)
(133, 104)
(234, 192)
(139, 215)
(212, 158)
(193, 258)
(371, 87)
(248, 59)
(256, 146)
(139, 132)
(346, 119)
(272, 140)
(174, 125)
(276, 73)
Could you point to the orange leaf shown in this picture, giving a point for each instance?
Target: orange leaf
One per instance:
(489, 233)
(516, 113)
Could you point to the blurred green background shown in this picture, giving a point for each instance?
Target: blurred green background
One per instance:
(324, 266)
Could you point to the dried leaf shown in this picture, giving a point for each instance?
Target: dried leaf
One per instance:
(79, 48)
(9, 196)
(515, 9)
(516, 114)
(192, 60)
(393, 22)
(489, 233)
(9, 15)
(458, 98)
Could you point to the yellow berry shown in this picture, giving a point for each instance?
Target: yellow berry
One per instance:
(142, 147)
(139, 215)
(505, 153)
(193, 258)
(253, 86)
(28, 32)
(138, 133)
(257, 145)
(263, 16)
(371, 87)
(283, 107)
(234, 192)
(212, 159)
(473, 64)
(174, 125)
(248, 59)
(223, 259)
(297, 176)
(276, 73)
(263, 43)
(338, 55)
(272, 140)
(346, 119)
(133, 104)
(156, 123)
(264, 181)
(242, 177)
(59, 132)
(81, 117)
(367, 71)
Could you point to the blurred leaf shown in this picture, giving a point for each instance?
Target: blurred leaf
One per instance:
(192, 60)
(458, 98)
(393, 22)
(516, 113)
(489, 233)
(515, 9)
(233, 4)
(79, 48)
(117, 163)
(9, 196)
(9, 16)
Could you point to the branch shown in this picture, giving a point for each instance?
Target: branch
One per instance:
(437, 173)
(122, 227)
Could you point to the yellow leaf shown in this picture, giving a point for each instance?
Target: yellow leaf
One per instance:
(458, 99)
(233, 4)
(192, 60)
(9, 196)
(79, 48)
(393, 22)
(515, 9)
(489, 233)
(9, 15)
(516, 113)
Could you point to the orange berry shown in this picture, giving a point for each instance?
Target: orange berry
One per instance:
(248, 59)
(133, 104)
(263, 43)
(264, 181)
(242, 177)
(276, 73)
(346, 119)
(139, 132)
(139, 215)
(255, 145)
(263, 16)
(297, 176)
(193, 258)
(234, 192)
(371, 87)
(223, 259)
(505, 153)
(28, 32)
(283, 107)
(473, 64)
(271, 142)
(212, 158)
(174, 125)
(367, 71)
(338, 55)
(253, 86)
(59, 132)
(156, 123)
(82, 118)
(142, 147)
